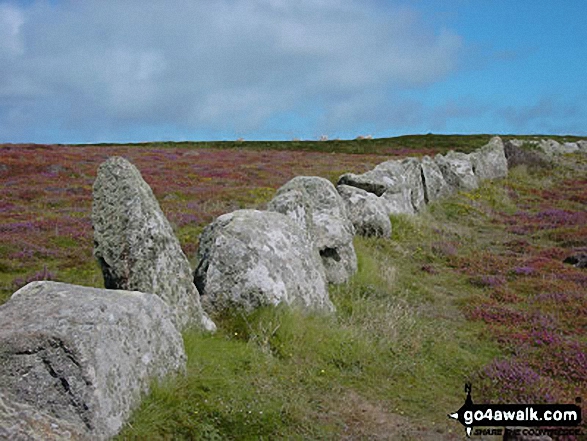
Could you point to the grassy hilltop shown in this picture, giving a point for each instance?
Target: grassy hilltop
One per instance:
(473, 289)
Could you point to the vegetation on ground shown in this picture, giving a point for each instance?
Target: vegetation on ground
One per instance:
(473, 289)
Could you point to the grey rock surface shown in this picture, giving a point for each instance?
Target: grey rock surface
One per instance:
(387, 176)
(398, 202)
(489, 162)
(366, 211)
(414, 182)
(582, 145)
(435, 187)
(316, 206)
(457, 170)
(251, 258)
(391, 181)
(552, 147)
(21, 421)
(84, 355)
(135, 244)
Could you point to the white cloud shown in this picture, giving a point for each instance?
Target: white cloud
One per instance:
(11, 21)
(226, 64)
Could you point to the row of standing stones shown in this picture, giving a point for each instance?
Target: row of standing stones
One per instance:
(75, 361)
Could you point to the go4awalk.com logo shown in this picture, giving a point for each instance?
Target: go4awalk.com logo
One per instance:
(553, 416)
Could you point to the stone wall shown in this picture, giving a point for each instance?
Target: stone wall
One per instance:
(75, 361)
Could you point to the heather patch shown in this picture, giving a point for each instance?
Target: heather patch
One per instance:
(532, 303)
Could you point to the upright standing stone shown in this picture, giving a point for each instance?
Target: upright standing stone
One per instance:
(135, 244)
(435, 187)
(490, 162)
(414, 182)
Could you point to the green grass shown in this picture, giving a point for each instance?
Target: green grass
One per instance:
(398, 342)
(396, 354)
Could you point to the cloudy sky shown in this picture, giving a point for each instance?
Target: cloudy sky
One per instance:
(76, 71)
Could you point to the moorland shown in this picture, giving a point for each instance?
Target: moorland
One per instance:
(472, 289)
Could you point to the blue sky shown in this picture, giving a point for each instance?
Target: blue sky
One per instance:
(130, 71)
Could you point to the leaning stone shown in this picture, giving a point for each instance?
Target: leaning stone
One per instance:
(435, 187)
(250, 258)
(366, 211)
(457, 170)
(135, 244)
(316, 206)
(490, 162)
(84, 355)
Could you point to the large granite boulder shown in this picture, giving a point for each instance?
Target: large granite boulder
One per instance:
(582, 145)
(457, 169)
(135, 244)
(83, 355)
(489, 162)
(251, 258)
(366, 211)
(435, 187)
(316, 206)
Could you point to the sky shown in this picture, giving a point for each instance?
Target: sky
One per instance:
(146, 70)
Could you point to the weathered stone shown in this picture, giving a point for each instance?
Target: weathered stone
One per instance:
(570, 147)
(582, 145)
(414, 182)
(387, 176)
(366, 211)
(457, 170)
(85, 355)
(21, 421)
(316, 206)
(251, 258)
(489, 162)
(435, 187)
(391, 181)
(135, 244)
(398, 202)
(552, 147)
